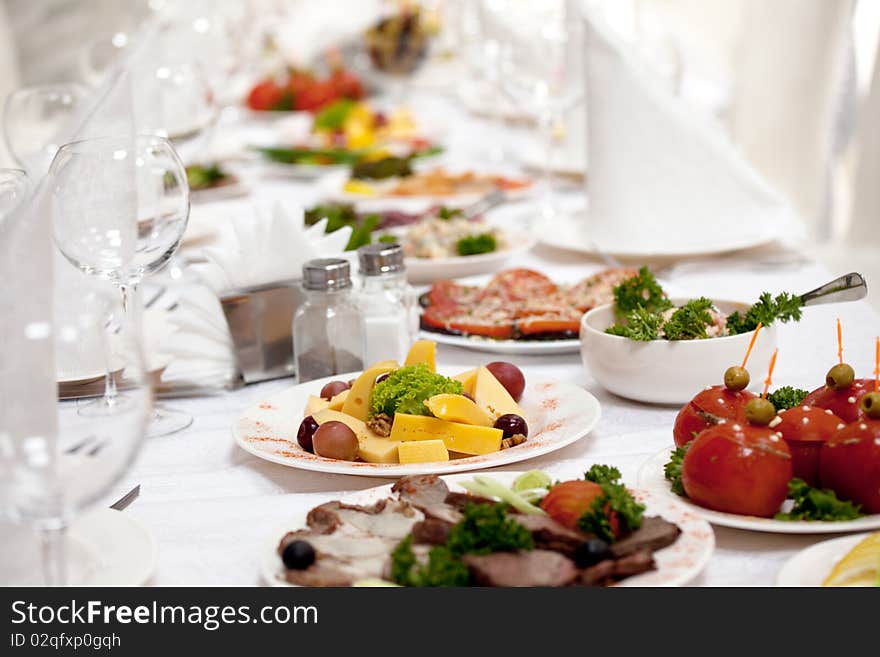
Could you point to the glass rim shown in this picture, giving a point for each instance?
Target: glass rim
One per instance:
(71, 145)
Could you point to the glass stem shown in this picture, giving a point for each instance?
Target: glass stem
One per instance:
(547, 125)
(53, 542)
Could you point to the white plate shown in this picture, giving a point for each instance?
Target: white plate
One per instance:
(565, 163)
(651, 478)
(511, 347)
(676, 565)
(566, 232)
(104, 547)
(428, 270)
(558, 414)
(812, 565)
(236, 189)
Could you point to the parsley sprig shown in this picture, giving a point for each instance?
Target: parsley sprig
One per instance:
(485, 529)
(787, 397)
(672, 470)
(616, 500)
(783, 308)
(817, 504)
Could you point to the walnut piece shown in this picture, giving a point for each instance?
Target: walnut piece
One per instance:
(380, 424)
(513, 441)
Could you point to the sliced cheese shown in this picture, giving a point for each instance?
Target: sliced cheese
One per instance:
(374, 449)
(358, 426)
(458, 408)
(493, 397)
(423, 352)
(316, 404)
(467, 380)
(357, 403)
(422, 451)
(464, 438)
(337, 401)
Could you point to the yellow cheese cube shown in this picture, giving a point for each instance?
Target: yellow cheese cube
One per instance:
(337, 401)
(422, 451)
(493, 397)
(467, 380)
(316, 404)
(458, 408)
(357, 402)
(423, 352)
(374, 449)
(464, 438)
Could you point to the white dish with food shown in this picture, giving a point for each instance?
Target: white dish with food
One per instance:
(557, 414)
(509, 347)
(812, 565)
(676, 564)
(652, 478)
(664, 371)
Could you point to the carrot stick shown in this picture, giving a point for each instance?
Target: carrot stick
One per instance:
(877, 366)
(751, 344)
(769, 378)
(839, 343)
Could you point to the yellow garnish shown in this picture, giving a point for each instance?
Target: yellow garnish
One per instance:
(860, 567)
(358, 187)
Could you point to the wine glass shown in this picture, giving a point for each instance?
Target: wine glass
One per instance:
(55, 463)
(13, 190)
(542, 68)
(119, 208)
(34, 119)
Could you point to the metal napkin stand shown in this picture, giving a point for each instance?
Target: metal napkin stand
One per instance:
(260, 321)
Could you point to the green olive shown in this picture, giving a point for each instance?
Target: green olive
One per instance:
(736, 378)
(840, 376)
(871, 405)
(760, 411)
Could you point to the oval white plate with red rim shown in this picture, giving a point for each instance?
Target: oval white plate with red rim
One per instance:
(677, 564)
(558, 414)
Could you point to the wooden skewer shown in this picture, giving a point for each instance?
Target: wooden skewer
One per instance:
(769, 378)
(751, 344)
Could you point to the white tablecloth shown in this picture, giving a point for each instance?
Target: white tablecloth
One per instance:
(214, 508)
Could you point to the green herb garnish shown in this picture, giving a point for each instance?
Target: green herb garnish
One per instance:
(616, 499)
(476, 244)
(787, 397)
(448, 213)
(388, 167)
(690, 321)
(641, 291)
(783, 308)
(672, 470)
(203, 177)
(442, 569)
(817, 504)
(317, 156)
(485, 529)
(387, 239)
(640, 325)
(406, 389)
(341, 215)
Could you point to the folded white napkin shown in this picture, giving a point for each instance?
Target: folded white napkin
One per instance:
(664, 178)
(268, 244)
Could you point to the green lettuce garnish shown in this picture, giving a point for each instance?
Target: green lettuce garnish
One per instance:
(406, 389)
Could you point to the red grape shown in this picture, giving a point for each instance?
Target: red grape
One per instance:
(512, 424)
(333, 388)
(510, 376)
(307, 429)
(335, 440)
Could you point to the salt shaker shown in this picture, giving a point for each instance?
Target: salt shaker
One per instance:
(328, 328)
(386, 302)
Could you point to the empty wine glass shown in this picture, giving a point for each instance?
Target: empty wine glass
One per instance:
(119, 208)
(55, 463)
(542, 63)
(34, 119)
(13, 190)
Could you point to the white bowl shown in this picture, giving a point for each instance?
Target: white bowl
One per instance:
(667, 371)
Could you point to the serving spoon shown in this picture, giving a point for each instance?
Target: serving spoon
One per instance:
(849, 287)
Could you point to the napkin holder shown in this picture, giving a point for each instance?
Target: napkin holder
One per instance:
(260, 321)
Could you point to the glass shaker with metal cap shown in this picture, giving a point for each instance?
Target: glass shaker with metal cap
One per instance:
(386, 302)
(328, 336)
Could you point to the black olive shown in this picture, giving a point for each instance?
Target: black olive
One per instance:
(298, 555)
(592, 552)
(381, 378)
